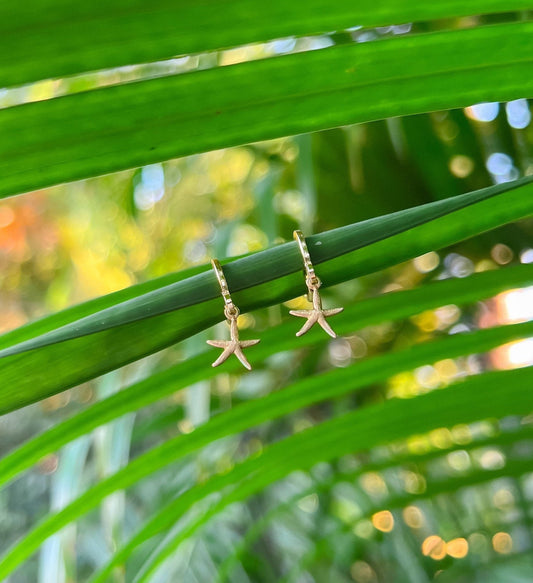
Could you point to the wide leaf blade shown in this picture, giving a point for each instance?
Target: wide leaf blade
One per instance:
(475, 399)
(124, 126)
(280, 338)
(329, 385)
(38, 42)
(89, 347)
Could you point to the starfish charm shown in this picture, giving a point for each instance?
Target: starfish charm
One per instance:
(233, 346)
(317, 314)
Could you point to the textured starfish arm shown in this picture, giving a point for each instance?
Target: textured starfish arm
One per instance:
(224, 356)
(240, 355)
(246, 343)
(325, 326)
(218, 343)
(332, 312)
(312, 319)
(301, 313)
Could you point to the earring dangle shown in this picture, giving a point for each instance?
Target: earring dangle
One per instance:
(317, 313)
(231, 311)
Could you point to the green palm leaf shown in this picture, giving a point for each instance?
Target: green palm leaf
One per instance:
(118, 127)
(390, 502)
(330, 385)
(373, 311)
(127, 331)
(351, 432)
(98, 36)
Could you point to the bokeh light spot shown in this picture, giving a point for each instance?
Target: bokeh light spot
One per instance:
(373, 483)
(502, 543)
(413, 517)
(383, 521)
(461, 434)
(151, 187)
(503, 499)
(414, 483)
(517, 305)
(48, 464)
(457, 548)
(362, 572)
(364, 529)
(308, 504)
(502, 254)
(459, 265)
(499, 164)
(526, 256)
(492, 459)
(447, 315)
(459, 460)
(426, 321)
(518, 114)
(434, 547)
(461, 166)
(483, 111)
(340, 352)
(427, 262)
(185, 426)
(427, 376)
(441, 438)
(446, 369)
(520, 353)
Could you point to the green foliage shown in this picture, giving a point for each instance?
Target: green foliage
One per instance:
(49, 45)
(121, 333)
(90, 133)
(310, 411)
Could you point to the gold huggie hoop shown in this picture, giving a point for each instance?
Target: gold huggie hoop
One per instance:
(317, 314)
(231, 311)
(311, 278)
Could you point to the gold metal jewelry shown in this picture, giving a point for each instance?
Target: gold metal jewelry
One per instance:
(231, 311)
(317, 314)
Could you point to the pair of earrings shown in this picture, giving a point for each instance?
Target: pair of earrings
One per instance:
(316, 315)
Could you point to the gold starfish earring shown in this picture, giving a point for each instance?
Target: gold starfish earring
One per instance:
(231, 311)
(317, 314)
